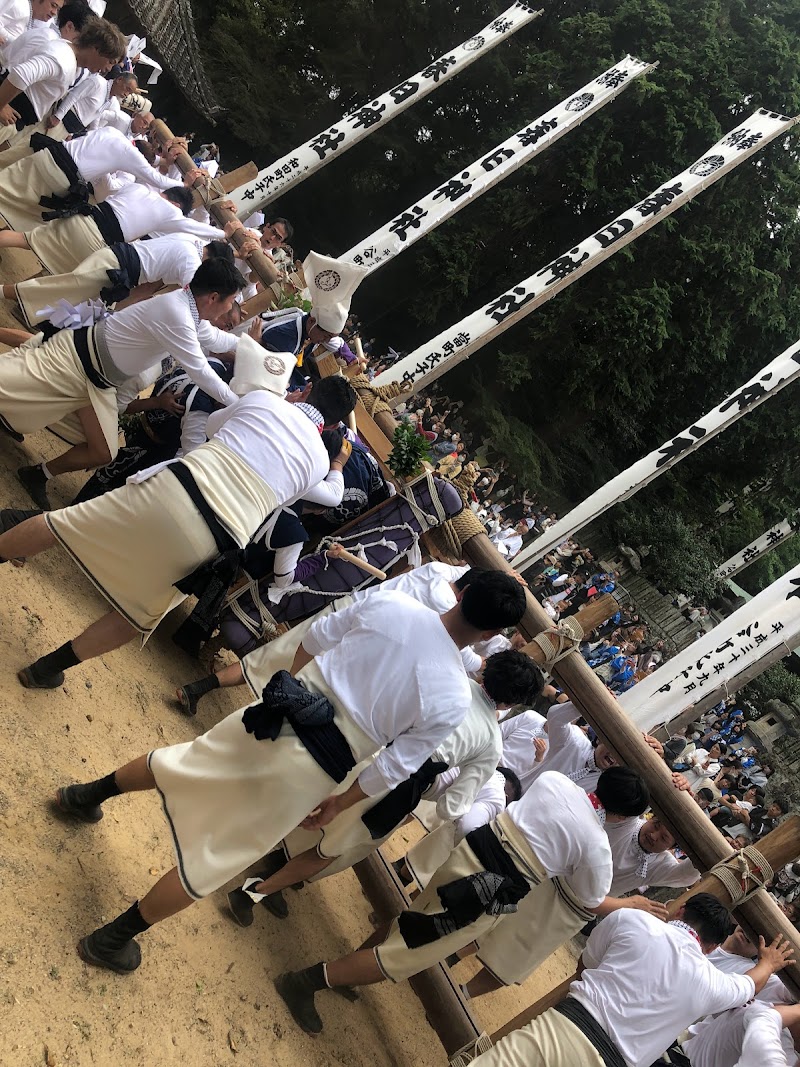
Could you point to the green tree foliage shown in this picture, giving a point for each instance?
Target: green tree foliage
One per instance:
(633, 353)
(776, 683)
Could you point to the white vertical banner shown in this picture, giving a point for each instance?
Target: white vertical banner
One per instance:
(779, 533)
(298, 165)
(471, 182)
(758, 631)
(427, 363)
(766, 383)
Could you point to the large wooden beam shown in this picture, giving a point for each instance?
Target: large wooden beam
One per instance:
(261, 265)
(778, 848)
(690, 826)
(447, 1013)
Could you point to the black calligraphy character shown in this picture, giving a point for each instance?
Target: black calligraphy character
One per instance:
(407, 377)
(534, 134)
(760, 639)
(249, 194)
(749, 554)
(778, 626)
(454, 188)
(795, 592)
(496, 158)
(461, 339)
(718, 667)
(746, 631)
(367, 116)
(726, 644)
(741, 140)
(665, 688)
(501, 25)
(528, 8)
(327, 142)
(439, 67)
(421, 368)
(678, 445)
(612, 78)
(563, 266)
(509, 303)
(407, 221)
(746, 648)
(774, 537)
(688, 688)
(437, 357)
(703, 678)
(610, 234)
(651, 205)
(403, 91)
(747, 395)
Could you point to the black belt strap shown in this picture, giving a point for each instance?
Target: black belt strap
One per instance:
(73, 124)
(124, 279)
(389, 812)
(81, 341)
(591, 1029)
(224, 541)
(61, 157)
(107, 223)
(27, 112)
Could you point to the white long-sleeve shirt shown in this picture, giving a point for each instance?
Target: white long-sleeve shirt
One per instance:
(46, 76)
(662, 868)
(518, 734)
(141, 211)
(173, 260)
(142, 334)
(399, 674)
(87, 99)
(568, 748)
(645, 981)
(105, 150)
(15, 17)
(474, 747)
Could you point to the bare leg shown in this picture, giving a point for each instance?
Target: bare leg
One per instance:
(107, 633)
(9, 292)
(13, 338)
(299, 869)
(359, 968)
(28, 539)
(167, 897)
(135, 777)
(93, 452)
(13, 239)
(231, 675)
(482, 983)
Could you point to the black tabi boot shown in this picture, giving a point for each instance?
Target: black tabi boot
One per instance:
(7, 428)
(34, 481)
(241, 905)
(297, 989)
(48, 671)
(83, 801)
(112, 946)
(189, 695)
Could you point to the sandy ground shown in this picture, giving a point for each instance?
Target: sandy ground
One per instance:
(204, 992)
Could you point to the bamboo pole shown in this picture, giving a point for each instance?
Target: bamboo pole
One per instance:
(261, 264)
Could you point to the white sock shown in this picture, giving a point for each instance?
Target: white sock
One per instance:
(325, 975)
(45, 471)
(465, 993)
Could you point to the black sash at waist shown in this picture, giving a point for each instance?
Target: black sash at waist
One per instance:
(81, 339)
(73, 124)
(389, 812)
(107, 223)
(591, 1029)
(124, 279)
(311, 717)
(21, 104)
(61, 157)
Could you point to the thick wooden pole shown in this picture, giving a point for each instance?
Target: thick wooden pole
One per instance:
(778, 848)
(261, 265)
(446, 1011)
(698, 838)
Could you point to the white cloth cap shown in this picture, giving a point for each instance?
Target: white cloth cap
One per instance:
(135, 103)
(331, 283)
(257, 368)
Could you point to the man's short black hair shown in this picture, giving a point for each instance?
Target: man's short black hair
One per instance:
(709, 917)
(468, 576)
(181, 197)
(782, 803)
(494, 600)
(334, 398)
(286, 225)
(219, 250)
(77, 12)
(512, 781)
(511, 677)
(706, 794)
(623, 791)
(332, 439)
(216, 276)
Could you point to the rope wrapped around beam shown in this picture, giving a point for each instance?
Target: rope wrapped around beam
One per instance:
(743, 873)
(375, 397)
(558, 642)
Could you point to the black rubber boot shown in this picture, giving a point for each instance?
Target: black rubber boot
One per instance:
(297, 989)
(112, 946)
(189, 695)
(7, 429)
(82, 801)
(275, 903)
(34, 481)
(48, 671)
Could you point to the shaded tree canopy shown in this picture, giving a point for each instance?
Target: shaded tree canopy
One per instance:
(645, 343)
